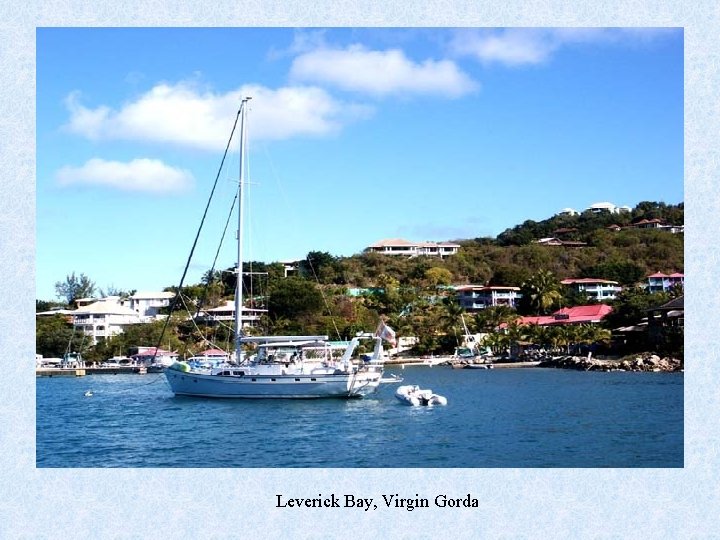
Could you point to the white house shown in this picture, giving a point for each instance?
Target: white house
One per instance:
(226, 313)
(475, 297)
(103, 318)
(398, 246)
(290, 267)
(148, 304)
(597, 289)
(607, 207)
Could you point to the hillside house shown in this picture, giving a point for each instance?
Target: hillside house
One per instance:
(399, 246)
(607, 208)
(226, 314)
(148, 304)
(477, 297)
(103, 318)
(659, 282)
(593, 288)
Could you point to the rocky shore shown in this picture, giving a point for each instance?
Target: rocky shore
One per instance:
(640, 362)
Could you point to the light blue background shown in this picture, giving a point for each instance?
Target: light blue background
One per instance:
(216, 503)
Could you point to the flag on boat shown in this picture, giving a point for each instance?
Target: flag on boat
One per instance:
(385, 332)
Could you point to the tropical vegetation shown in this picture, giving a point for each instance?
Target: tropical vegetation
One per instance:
(414, 295)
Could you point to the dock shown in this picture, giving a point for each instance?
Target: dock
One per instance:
(81, 372)
(514, 365)
(60, 372)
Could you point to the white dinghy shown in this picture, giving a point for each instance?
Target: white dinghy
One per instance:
(412, 394)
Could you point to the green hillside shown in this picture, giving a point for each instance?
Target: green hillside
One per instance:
(340, 296)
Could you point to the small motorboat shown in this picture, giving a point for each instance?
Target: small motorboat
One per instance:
(89, 393)
(412, 394)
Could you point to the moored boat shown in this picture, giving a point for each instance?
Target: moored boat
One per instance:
(283, 367)
(279, 366)
(412, 394)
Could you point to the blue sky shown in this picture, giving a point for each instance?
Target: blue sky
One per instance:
(356, 135)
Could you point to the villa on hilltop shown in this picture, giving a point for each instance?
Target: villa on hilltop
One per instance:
(597, 208)
(398, 246)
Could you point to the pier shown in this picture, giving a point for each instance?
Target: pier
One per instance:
(60, 372)
(81, 372)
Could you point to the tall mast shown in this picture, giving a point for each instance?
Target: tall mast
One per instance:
(241, 206)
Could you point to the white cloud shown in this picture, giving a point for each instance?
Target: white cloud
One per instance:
(303, 41)
(511, 47)
(381, 72)
(146, 175)
(522, 46)
(181, 114)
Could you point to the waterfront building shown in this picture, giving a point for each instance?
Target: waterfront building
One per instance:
(595, 289)
(103, 318)
(591, 314)
(477, 297)
(399, 246)
(667, 321)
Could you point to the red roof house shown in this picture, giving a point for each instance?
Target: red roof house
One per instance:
(574, 315)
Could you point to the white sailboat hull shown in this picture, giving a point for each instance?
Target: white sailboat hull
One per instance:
(273, 386)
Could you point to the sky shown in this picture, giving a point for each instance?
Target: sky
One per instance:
(355, 135)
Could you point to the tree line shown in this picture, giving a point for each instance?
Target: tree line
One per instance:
(414, 294)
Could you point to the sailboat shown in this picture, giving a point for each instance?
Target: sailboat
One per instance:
(281, 366)
(469, 355)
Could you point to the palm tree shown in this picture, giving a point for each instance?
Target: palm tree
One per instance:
(451, 316)
(496, 341)
(555, 337)
(491, 318)
(514, 333)
(539, 335)
(541, 291)
(590, 334)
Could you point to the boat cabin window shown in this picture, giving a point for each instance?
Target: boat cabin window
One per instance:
(285, 355)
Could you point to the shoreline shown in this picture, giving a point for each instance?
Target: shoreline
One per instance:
(645, 362)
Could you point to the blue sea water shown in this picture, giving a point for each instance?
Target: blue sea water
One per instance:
(494, 418)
